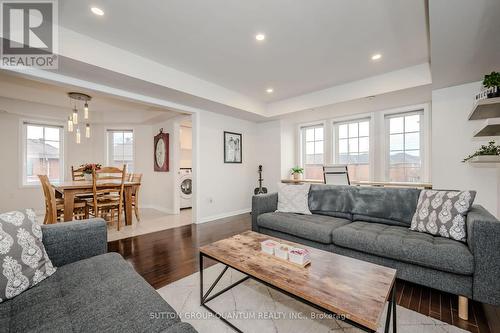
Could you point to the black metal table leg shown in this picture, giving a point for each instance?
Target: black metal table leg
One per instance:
(391, 306)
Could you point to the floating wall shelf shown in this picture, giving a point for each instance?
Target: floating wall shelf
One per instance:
(486, 108)
(485, 159)
(490, 127)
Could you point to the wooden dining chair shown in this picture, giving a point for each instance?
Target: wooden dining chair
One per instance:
(54, 207)
(136, 178)
(77, 174)
(107, 191)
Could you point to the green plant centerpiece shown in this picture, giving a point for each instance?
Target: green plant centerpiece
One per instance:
(297, 172)
(490, 81)
(490, 150)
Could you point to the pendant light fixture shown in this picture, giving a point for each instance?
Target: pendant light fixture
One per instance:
(75, 116)
(86, 111)
(76, 99)
(70, 124)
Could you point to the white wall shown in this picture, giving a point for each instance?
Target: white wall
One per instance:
(452, 141)
(224, 189)
(269, 153)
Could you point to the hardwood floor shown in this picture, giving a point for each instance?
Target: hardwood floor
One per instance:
(166, 256)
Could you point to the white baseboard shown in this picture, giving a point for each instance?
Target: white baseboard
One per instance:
(223, 215)
(160, 209)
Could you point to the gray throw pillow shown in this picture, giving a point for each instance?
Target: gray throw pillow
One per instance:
(23, 259)
(443, 213)
(293, 199)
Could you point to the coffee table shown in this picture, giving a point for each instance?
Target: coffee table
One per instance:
(335, 284)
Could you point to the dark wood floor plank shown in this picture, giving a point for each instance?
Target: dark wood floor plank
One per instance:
(166, 256)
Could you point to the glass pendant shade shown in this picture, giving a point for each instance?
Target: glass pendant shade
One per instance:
(70, 124)
(86, 111)
(87, 131)
(78, 137)
(75, 116)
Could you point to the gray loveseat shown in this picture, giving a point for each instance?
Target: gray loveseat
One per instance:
(372, 224)
(91, 291)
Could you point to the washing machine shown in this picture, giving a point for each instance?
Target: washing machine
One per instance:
(185, 187)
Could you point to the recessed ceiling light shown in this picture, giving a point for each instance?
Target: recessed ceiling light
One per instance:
(260, 37)
(376, 56)
(269, 90)
(97, 11)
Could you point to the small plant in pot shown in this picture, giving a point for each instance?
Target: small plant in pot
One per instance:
(490, 81)
(87, 169)
(297, 172)
(490, 150)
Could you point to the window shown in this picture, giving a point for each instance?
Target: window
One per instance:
(312, 151)
(405, 147)
(42, 152)
(353, 147)
(121, 148)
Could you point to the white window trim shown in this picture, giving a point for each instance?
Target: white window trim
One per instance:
(358, 117)
(425, 131)
(107, 145)
(22, 149)
(300, 141)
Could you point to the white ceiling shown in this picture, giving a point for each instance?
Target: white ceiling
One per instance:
(465, 40)
(310, 45)
(53, 102)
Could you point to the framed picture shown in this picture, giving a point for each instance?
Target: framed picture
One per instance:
(161, 152)
(232, 147)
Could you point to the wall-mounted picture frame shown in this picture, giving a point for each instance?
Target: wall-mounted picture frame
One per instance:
(161, 152)
(233, 147)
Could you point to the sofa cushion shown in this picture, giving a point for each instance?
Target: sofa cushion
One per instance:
(293, 198)
(23, 260)
(331, 200)
(400, 243)
(316, 228)
(99, 294)
(443, 213)
(394, 206)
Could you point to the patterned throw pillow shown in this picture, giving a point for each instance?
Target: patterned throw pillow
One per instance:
(443, 213)
(23, 260)
(293, 199)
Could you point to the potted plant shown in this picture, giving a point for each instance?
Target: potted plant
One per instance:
(297, 172)
(491, 81)
(87, 170)
(490, 150)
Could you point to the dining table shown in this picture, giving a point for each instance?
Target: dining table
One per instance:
(69, 190)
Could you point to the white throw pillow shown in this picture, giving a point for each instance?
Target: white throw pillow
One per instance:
(293, 199)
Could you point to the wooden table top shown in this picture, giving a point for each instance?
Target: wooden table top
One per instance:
(83, 184)
(337, 283)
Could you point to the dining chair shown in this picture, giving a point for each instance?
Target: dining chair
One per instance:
(107, 193)
(54, 207)
(136, 178)
(77, 174)
(336, 174)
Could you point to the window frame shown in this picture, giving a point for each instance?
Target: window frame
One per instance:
(302, 142)
(423, 141)
(109, 147)
(336, 139)
(23, 149)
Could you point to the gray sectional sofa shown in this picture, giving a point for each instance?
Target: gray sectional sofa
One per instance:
(91, 291)
(372, 224)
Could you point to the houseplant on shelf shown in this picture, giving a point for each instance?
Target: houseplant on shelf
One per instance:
(297, 172)
(87, 170)
(490, 150)
(492, 80)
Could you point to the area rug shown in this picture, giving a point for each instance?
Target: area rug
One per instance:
(253, 307)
